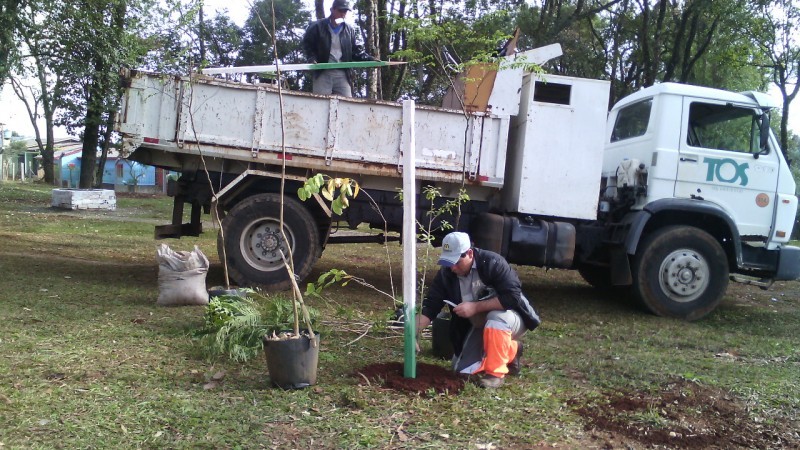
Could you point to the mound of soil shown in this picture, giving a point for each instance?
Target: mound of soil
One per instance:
(682, 415)
(429, 377)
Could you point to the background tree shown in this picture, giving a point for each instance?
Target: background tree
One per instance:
(777, 36)
(793, 150)
(74, 50)
(636, 43)
(35, 79)
(437, 46)
(222, 40)
(104, 36)
(291, 20)
(370, 34)
(319, 9)
(9, 9)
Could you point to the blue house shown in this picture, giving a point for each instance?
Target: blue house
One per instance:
(119, 173)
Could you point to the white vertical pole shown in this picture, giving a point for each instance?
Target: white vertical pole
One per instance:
(409, 240)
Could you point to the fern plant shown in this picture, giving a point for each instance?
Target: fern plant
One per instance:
(234, 326)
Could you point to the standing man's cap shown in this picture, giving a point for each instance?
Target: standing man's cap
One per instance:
(341, 5)
(453, 246)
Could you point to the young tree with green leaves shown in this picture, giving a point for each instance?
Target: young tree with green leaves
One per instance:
(439, 48)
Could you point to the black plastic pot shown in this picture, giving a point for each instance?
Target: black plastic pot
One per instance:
(218, 291)
(440, 337)
(292, 363)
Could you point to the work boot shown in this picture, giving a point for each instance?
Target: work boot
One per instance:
(515, 366)
(490, 381)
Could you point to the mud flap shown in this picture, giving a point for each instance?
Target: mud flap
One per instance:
(620, 267)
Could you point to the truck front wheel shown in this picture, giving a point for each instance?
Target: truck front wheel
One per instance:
(680, 271)
(253, 241)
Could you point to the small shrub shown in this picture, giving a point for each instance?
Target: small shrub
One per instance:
(234, 326)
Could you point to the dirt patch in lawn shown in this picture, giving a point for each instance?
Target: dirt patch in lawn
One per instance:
(429, 378)
(681, 415)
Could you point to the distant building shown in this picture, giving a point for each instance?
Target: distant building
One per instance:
(119, 173)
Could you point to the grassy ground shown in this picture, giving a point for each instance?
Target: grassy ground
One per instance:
(88, 360)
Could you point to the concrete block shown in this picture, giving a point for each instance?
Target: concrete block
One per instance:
(88, 199)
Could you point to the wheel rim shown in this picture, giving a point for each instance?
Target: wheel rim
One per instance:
(261, 244)
(684, 275)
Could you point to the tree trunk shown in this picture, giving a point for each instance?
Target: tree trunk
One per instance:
(390, 41)
(201, 34)
(101, 164)
(319, 9)
(94, 110)
(47, 154)
(785, 128)
(373, 48)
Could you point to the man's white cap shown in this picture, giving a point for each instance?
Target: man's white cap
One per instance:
(453, 246)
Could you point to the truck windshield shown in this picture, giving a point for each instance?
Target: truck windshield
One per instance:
(723, 127)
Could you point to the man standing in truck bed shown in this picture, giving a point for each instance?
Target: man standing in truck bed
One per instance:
(331, 40)
(490, 314)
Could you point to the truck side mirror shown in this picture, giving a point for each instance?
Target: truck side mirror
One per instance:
(763, 135)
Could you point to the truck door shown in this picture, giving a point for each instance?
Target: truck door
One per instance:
(720, 161)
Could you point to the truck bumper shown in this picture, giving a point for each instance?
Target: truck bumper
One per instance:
(789, 263)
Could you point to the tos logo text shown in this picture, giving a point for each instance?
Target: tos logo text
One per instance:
(719, 166)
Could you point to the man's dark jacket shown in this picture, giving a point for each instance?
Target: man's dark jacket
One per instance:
(495, 272)
(317, 44)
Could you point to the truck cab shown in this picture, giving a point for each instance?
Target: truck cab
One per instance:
(718, 173)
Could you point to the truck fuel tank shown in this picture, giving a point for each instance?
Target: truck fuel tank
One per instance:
(529, 242)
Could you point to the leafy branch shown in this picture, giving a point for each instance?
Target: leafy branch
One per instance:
(329, 187)
(435, 225)
(338, 276)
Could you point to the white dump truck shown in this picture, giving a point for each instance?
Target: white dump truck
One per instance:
(672, 193)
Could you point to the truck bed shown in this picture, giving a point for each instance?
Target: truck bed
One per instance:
(169, 121)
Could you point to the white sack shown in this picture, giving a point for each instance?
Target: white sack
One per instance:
(181, 277)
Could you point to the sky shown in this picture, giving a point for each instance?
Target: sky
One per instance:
(14, 116)
(237, 9)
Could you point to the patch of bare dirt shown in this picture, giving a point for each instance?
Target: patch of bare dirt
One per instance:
(429, 377)
(682, 415)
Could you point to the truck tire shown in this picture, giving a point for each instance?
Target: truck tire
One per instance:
(252, 240)
(680, 271)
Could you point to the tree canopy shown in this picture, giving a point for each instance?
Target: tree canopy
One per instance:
(75, 50)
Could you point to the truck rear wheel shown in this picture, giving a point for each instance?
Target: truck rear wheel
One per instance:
(253, 241)
(681, 272)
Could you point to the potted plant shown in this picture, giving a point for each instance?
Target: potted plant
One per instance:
(292, 355)
(244, 324)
